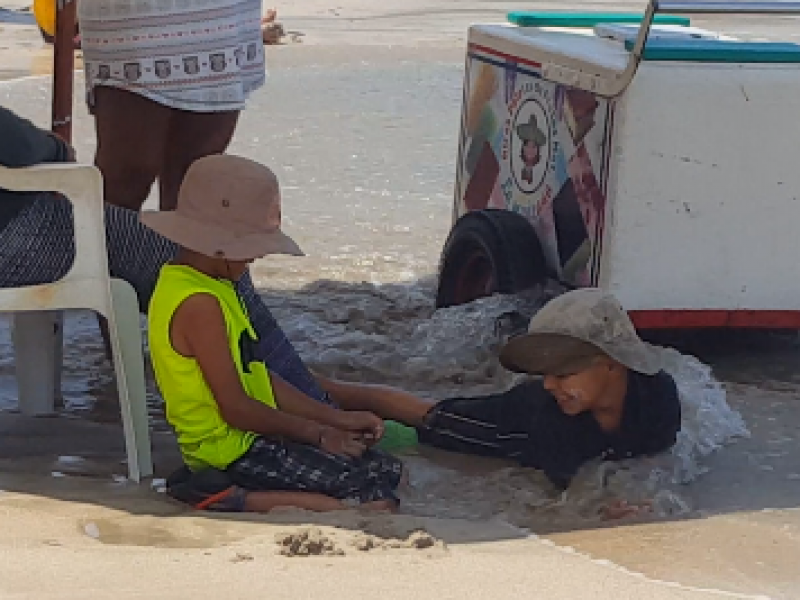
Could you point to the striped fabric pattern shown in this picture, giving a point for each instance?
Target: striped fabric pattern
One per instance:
(37, 247)
(195, 55)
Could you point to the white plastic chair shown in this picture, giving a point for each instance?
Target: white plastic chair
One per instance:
(88, 285)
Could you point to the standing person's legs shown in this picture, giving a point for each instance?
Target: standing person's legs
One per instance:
(136, 253)
(131, 144)
(191, 135)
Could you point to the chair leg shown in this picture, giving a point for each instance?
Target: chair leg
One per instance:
(58, 357)
(36, 337)
(126, 341)
(103, 326)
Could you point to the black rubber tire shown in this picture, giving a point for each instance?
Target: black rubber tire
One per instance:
(503, 243)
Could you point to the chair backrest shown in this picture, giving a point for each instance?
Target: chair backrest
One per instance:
(87, 283)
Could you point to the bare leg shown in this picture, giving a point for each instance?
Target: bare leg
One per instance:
(131, 136)
(264, 502)
(192, 135)
(131, 131)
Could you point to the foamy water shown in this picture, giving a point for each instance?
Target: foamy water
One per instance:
(391, 334)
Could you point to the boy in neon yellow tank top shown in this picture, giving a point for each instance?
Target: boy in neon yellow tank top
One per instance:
(230, 413)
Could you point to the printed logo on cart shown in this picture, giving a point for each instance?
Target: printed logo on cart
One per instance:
(529, 134)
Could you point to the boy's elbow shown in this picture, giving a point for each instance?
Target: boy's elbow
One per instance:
(233, 414)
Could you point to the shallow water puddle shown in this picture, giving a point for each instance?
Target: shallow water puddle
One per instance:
(158, 532)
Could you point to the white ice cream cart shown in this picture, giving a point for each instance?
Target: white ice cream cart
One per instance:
(660, 162)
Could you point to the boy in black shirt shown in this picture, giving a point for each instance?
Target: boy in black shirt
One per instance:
(602, 394)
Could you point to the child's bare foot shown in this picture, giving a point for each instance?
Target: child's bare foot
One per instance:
(271, 32)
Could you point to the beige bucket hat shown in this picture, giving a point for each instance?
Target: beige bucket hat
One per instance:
(570, 331)
(228, 207)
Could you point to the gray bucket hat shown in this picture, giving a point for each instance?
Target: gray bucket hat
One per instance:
(570, 331)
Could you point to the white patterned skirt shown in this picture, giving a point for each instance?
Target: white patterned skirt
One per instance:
(194, 55)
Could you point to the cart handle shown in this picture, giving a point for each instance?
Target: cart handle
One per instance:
(624, 79)
(732, 8)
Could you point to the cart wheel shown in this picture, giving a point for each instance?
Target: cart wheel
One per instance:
(489, 251)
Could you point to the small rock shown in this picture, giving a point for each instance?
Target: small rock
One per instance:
(92, 530)
(307, 542)
(364, 543)
(241, 557)
(421, 539)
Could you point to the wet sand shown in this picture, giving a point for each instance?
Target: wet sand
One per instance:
(360, 121)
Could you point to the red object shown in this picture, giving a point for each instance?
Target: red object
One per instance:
(63, 67)
(506, 57)
(697, 319)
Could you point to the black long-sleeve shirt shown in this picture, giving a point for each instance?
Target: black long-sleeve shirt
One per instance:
(23, 144)
(525, 424)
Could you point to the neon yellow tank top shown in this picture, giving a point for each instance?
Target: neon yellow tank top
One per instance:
(205, 439)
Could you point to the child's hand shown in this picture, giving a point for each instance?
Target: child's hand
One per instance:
(364, 423)
(343, 443)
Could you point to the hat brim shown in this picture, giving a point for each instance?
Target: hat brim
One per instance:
(529, 133)
(558, 354)
(547, 354)
(216, 241)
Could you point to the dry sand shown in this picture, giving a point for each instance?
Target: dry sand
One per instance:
(66, 549)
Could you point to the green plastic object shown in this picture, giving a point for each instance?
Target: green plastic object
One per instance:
(397, 436)
(577, 20)
(719, 51)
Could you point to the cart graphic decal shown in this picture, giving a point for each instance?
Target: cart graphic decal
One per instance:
(539, 149)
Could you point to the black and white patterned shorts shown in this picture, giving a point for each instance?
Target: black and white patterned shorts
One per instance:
(273, 465)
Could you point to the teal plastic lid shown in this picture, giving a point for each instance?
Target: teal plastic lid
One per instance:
(586, 19)
(719, 51)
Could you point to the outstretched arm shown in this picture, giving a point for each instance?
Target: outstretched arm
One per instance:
(384, 401)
